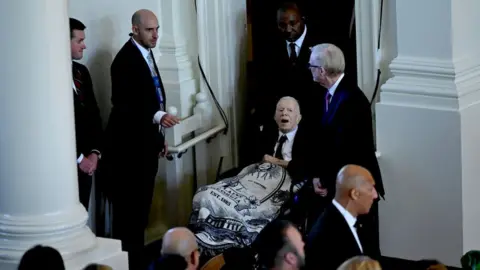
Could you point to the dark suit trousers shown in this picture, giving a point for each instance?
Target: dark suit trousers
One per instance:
(133, 186)
(84, 188)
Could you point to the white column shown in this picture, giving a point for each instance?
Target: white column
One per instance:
(39, 201)
(173, 59)
(428, 133)
(176, 59)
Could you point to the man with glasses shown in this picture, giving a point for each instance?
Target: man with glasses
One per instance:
(344, 128)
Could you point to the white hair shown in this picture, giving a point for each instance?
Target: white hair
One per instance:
(297, 105)
(330, 57)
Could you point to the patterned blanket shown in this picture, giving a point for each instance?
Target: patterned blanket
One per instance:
(233, 211)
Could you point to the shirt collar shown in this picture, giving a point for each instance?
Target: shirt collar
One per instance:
(290, 135)
(348, 217)
(300, 40)
(335, 85)
(145, 52)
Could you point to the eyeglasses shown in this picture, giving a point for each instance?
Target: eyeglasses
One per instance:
(313, 66)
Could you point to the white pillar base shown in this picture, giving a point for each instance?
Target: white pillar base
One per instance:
(106, 252)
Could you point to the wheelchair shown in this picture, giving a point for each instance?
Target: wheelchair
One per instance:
(295, 209)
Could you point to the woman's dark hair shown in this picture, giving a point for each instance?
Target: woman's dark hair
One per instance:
(41, 257)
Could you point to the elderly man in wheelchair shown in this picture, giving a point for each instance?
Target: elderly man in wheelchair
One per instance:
(231, 212)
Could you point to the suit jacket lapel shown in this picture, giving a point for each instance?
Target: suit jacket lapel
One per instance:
(304, 55)
(337, 99)
(345, 231)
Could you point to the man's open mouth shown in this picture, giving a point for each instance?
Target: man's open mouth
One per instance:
(285, 121)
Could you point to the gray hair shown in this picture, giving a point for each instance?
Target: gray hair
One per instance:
(330, 57)
(297, 105)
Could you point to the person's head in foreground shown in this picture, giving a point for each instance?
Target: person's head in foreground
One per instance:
(355, 189)
(430, 265)
(171, 262)
(280, 246)
(290, 21)
(327, 64)
(181, 241)
(41, 257)
(95, 266)
(287, 114)
(145, 28)
(360, 263)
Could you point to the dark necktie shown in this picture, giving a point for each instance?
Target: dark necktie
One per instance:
(156, 81)
(328, 97)
(360, 232)
(278, 151)
(293, 52)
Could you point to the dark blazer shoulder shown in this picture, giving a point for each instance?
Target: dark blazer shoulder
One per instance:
(78, 66)
(350, 90)
(330, 241)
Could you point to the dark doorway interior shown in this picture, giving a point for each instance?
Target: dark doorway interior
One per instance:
(331, 20)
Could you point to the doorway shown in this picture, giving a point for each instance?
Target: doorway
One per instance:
(332, 21)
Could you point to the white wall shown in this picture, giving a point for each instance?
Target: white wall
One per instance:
(108, 25)
(224, 61)
(427, 132)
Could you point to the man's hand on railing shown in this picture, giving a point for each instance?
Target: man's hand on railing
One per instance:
(164, 152)
(169, 121)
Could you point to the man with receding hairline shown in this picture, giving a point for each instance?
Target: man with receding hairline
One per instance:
(337, 235)
(135, 134)
(181, 241)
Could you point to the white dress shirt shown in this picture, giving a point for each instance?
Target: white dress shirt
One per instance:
(157, 117)
(298, 42)
(287, 145)
(351, 220)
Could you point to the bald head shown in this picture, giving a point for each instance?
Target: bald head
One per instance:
(140, 15)
(179, 241)
(145, 28)
(355, 189)
(352, 176)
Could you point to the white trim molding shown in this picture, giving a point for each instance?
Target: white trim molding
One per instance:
(433, 83)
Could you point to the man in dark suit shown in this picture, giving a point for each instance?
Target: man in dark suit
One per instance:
(135, 134)
(282, 67)
(88, 125)
(345, 128)
(280, 246)
(285, 145)
(337, 235)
